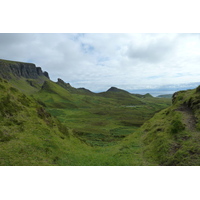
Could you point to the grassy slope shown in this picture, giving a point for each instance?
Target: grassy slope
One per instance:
(172, 136)
(28, 86)
(11, 62)
(31, 136)
(121, 97)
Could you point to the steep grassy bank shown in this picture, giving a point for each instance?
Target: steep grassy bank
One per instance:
(172, 137)
(31, 136)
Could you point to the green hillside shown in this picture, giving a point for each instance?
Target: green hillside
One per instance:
(172, 137)
(96, 119)
(52, 123)
(29, 135)
(165, 96)
(121, 96)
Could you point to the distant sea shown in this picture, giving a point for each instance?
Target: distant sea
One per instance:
(168, 89)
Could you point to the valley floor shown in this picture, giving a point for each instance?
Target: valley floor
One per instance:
(122, 154)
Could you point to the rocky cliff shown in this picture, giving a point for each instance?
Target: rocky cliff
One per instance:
(20, 69)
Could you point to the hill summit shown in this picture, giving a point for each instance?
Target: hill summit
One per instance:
(115, 89)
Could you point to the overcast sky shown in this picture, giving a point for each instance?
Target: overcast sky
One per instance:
(99, 61)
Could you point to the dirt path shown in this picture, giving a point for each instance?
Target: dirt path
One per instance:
(189, 119)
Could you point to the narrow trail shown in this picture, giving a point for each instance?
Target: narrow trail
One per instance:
(189, 118)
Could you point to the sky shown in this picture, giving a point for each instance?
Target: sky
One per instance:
(134, 62)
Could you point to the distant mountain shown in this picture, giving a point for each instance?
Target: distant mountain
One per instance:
(147, 95)
(121, 96)
(85, 91)
(165, 96)
(115, 89)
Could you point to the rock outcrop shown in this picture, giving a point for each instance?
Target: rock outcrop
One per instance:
(19, 69)
(66, 86)
(174, 96)
(63, 84)
(73, 90)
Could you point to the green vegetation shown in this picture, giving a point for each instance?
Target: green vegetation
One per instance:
(172, 136)
(165, 96)
(11, 62)
(98, 119)
(28, 135)
(89, 129)
(48, 123)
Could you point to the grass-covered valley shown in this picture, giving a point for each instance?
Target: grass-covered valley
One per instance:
(52, 123)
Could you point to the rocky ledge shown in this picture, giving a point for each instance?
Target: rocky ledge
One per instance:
(20, 69)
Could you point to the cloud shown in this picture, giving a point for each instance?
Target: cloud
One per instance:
(99, 61)
(151, 48)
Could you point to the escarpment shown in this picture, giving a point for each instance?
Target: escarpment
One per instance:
(8, 69)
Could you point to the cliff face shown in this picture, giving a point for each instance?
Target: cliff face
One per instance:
(19, 69)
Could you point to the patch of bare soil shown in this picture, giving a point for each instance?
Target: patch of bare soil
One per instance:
(189, 117)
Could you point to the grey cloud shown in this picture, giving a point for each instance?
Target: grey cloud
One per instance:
(155, 50)
(14, 38)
